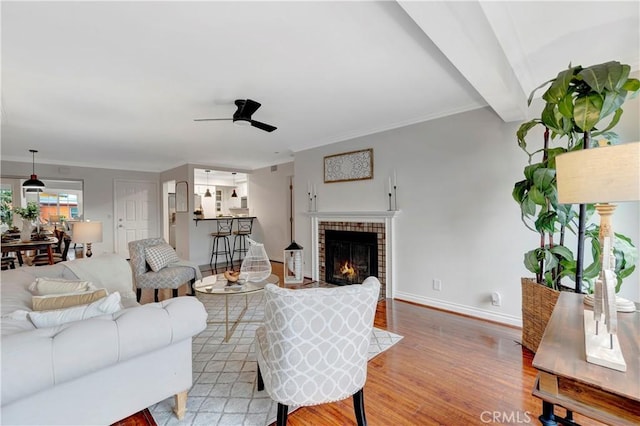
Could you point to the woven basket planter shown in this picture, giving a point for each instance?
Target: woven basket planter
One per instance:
(538, 302)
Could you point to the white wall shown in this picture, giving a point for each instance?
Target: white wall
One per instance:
(458, 221)
(98, 192)
(268, 200)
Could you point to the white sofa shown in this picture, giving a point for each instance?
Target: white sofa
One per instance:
(98, 370)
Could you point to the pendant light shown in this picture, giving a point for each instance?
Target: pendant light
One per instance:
(208, 193)
(233, 194)
(33, 184)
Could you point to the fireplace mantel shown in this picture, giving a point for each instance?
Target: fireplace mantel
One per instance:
(382, 216)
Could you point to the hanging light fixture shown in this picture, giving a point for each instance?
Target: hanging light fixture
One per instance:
(233, 194)
(208, 193)
(33, 184)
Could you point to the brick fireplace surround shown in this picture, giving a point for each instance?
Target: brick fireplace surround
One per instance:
(380, 223)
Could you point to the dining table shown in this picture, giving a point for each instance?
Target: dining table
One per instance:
(18, 246)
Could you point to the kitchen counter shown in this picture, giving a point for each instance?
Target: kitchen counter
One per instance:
(224, 217)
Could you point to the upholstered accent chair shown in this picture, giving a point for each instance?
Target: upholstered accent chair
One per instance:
(156, 265)
(313, 346)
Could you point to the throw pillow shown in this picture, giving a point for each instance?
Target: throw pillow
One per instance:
(106, 305)
(160, 256)
(44, 286)
(54, 301)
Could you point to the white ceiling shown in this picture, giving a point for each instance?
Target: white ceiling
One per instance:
(118, 84)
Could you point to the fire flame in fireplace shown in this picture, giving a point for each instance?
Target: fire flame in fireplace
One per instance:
(347, 270)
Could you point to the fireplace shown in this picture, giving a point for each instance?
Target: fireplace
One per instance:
(372, 233)
(350, 256)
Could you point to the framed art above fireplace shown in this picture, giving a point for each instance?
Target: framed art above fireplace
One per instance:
(349, 166)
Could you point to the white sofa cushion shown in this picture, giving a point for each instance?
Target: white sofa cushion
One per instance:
(106, 305)
(61, 301)
(44, 286)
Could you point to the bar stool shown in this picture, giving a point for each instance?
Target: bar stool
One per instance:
(223, 231)
(242, 232)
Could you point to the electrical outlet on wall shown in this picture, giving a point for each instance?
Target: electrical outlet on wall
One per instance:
(496, 299)
(437, 285)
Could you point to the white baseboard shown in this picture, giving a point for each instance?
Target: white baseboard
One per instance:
(461, 309)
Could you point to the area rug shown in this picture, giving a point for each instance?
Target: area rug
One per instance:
(224, 374)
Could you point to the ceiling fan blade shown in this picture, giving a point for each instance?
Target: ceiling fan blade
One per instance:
(212, 119)
(263, 126)
(249, 107)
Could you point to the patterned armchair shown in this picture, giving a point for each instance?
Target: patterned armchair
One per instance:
(313, 346)
(155, 265)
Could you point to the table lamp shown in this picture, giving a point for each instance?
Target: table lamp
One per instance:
(602, 175)
(87, 233)
(55, 220)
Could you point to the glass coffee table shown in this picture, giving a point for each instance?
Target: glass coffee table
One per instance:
(217, 285)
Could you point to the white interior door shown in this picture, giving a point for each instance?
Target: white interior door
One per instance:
(136, 212)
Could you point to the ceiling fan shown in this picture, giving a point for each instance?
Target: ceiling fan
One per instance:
(242, 116)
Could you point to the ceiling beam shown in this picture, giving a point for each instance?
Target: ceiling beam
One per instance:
(464, 35)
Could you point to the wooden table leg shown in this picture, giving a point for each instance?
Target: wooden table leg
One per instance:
(50, 254)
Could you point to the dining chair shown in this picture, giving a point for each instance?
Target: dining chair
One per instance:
(60, 252)
(314, 344)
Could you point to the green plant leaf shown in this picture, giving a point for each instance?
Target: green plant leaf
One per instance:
(614, 121)
(622, 79)
(551, 156)
(530, 170)
(553, 120)
(565, 106)
(615, 76)
(531, 261)
(528, 207)
(596, 75)
(523, 130)
(537, 196)
(546, 222)
(612, 102)
(530, 99)
(559, 86)
(519, 190)
(632, 85)
(587, 111)
(565, 214)
(543, 179)
(563, 252)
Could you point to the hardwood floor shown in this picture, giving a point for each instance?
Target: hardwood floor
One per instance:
(447, 370)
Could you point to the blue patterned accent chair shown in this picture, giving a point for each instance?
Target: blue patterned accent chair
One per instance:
(155, 265)
(314, 344)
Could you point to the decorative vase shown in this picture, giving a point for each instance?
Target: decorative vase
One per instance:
(25, 232)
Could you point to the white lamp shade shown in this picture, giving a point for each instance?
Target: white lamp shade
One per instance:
(599, 175)
(87, 232)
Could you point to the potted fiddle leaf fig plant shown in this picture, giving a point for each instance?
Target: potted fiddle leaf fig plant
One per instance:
(581, 104)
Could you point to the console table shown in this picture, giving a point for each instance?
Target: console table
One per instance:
(566, 379)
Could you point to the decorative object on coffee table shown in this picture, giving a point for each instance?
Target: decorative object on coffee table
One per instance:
(348, 166)
(256, 264)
